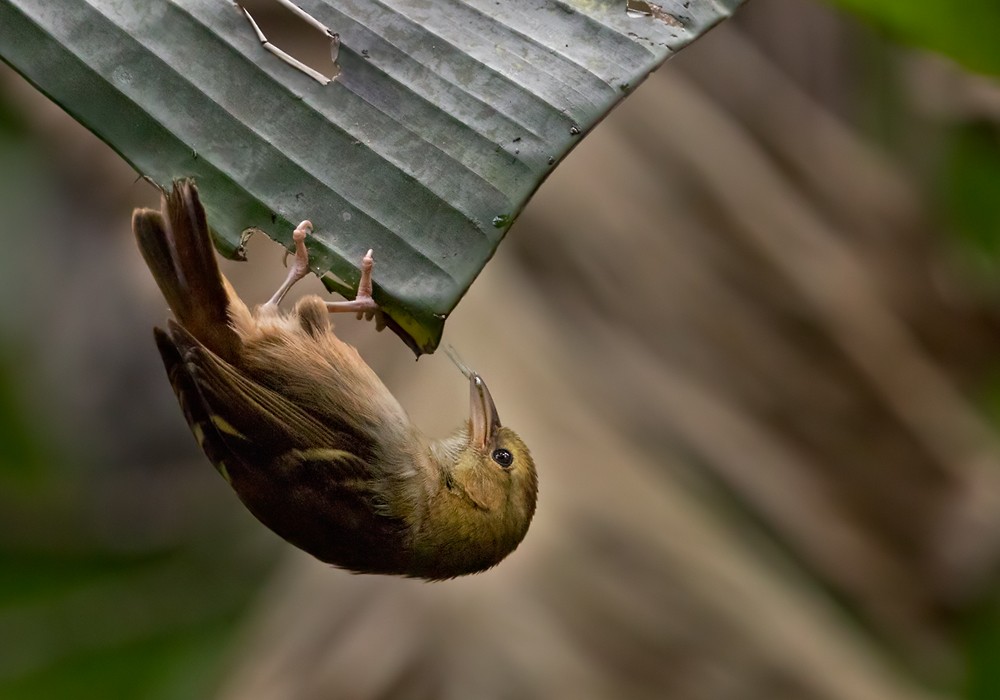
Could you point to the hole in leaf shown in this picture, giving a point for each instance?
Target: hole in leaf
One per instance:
(295, 37)
(641, 8)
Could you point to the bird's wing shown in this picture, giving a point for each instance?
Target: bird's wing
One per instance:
(234, 417)
(308, 482)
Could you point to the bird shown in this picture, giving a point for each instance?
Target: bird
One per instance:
(307, 435)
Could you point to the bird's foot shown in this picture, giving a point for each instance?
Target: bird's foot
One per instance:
(363, 304)
(300, 264)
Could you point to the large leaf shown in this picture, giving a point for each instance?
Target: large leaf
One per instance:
(446, 117)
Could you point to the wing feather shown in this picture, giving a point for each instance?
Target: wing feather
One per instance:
(244, 419)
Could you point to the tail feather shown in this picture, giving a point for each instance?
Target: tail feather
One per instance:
(177, 247)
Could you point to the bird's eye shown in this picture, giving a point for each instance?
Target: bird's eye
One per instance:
(503, 457)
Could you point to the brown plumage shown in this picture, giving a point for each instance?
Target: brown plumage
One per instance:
(308, 436)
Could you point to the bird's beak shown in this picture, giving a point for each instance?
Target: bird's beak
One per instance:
(483, 419)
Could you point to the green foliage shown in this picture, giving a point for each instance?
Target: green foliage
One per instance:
(966, 31)
(982, 639)
(95, 624)
(83, 615)
(966, 179)
(21, 457)
(87, 608)
(971, 184)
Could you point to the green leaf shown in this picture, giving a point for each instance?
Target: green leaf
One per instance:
(969, 189)
(445, 118)
(982, 647)
(966, 31)
(95, 624)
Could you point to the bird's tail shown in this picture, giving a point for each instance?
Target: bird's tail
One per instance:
(177, 246)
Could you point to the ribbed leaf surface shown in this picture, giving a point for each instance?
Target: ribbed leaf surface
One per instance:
(445, 118)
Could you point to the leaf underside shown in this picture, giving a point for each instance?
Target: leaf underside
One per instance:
(445, 118)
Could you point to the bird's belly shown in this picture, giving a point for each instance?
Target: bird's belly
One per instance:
(335, 522)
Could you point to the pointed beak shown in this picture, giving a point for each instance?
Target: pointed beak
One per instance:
(483, 417)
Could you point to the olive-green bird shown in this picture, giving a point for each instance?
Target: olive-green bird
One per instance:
(309, 437)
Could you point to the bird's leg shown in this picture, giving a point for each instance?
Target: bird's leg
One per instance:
(363, 304)
(300, 265)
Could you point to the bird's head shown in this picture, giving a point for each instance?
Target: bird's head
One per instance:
(490, 485)
(496, 459)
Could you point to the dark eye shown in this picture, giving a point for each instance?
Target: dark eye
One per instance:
(503, 457)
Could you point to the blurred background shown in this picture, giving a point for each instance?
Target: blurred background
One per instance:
(749, 328)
